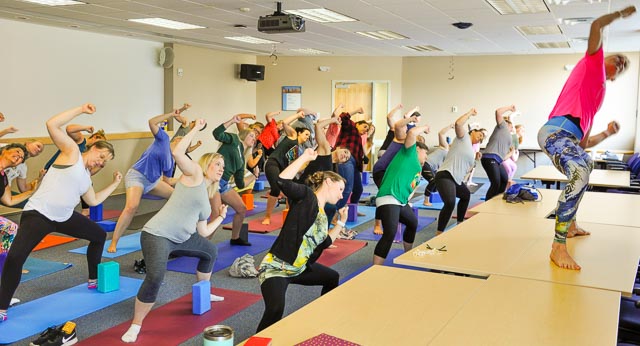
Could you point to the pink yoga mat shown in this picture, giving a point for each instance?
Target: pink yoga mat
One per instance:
(344, 249)
(111, 214)
(174, 323)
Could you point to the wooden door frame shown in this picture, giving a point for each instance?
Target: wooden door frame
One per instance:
(373, 94)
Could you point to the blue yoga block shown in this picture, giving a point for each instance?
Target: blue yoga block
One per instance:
(95, 213)
(365, 178)
(107, 225)
(258, 185)
(352, 214)
(108, 277)
(435, 198)
(201, 302)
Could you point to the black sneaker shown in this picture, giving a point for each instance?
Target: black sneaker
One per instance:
(47, 334)
(66, 336)
(239, 242)
(139, 266)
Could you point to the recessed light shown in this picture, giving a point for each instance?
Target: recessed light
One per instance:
(506, 7)
(56, 2)
(250, 39)
(546, 45)
(424, 48)
(539, 30)
(166, 23)
(309, 51)
(322, 15)
(382, 35)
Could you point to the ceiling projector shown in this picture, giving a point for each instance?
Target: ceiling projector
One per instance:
(280, 22)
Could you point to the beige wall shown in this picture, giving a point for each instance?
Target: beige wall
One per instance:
(316, 85)
(211, 83)
(531, 82)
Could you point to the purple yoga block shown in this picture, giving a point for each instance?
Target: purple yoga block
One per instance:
(435, 198)
(107, 225)
(365, 178)
(352, 215)
(95, 213)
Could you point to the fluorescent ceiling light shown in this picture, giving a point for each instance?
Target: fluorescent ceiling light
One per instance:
(166, 23)
(545, 45)
(382, 35)
(309, 51)
(539, 30)
(56, 2)
(505, 7)
(250, 39)
(424, 48)
(577, 20)
(322, 15)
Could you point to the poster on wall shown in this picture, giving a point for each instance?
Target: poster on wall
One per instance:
(291, 98)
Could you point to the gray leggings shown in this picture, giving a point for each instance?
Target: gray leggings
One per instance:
(156, 252)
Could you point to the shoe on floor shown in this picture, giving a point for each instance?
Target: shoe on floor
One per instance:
(215, 298)
(347, 234)
(49, 333)
(66, 336)
(139, 266)
(92, 285)
(14, 301)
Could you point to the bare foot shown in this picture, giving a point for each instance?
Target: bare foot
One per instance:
(25, 271)
(377, 230)
(560, 256)
(266, 221)
(333, 246)
(426, 202)
(361, 214)
(576, 231)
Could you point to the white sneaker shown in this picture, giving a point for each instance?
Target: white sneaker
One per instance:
(14, 301)
(215, 298)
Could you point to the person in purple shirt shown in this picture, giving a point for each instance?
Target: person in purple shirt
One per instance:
(150, 174)
(568, 131)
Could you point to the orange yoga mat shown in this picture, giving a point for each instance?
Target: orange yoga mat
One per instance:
(51, 240)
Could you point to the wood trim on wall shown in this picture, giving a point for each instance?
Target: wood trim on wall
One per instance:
(110, 137)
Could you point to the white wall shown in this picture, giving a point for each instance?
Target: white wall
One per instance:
(47, 70)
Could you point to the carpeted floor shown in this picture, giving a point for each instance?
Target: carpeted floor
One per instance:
(179, 284)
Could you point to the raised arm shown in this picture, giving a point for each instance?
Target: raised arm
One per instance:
(290, 131)
(68, 148)
(295, 166)
(392, 116)
(207, 229)
(461, 129)
(155, 121)
(400, 128)
(269, 116)
(595, 34)
(219, 132)
(442, 135)
(75, 131)
(501, 111)
(8, 130)
(189, 168)
(241, 125)
(10, 200)
(324, 148)
(413, 134)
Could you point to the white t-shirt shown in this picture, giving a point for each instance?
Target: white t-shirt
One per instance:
(20, 171)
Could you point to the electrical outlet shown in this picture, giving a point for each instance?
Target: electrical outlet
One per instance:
(454, 109)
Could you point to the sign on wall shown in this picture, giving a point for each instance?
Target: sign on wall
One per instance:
(291, 98)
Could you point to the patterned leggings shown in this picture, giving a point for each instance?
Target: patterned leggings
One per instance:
(8, 231)
(568, 157)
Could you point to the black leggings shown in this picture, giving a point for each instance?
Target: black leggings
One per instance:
(33, 228)
(272, 170)
(497, 175)
(391, 215)
(274, 290)
(449, 190)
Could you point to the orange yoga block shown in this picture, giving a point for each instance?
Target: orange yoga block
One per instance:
(247, 199)
(284, 214)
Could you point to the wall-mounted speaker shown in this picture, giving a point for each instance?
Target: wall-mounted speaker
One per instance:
(252, 72)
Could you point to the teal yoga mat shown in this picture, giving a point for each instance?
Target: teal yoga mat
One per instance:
(30, 318)
(38, 267)
(127, 244)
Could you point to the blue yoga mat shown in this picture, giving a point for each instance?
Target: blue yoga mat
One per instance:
(434, 206)
(33, 317)
(226, 254)
(369, 214)
(127, 244)
(37, 267)
(258, 207)
(367, 234)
